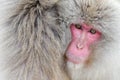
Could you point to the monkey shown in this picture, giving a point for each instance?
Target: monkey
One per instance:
(32, 40)
(39, 38)
(94, 50)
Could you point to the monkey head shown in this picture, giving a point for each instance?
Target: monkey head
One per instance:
(83, 36)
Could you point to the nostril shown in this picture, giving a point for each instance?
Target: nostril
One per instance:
(78, 26)
(79, 46)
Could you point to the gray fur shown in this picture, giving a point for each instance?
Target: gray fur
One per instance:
(35, 42)
(36, 35)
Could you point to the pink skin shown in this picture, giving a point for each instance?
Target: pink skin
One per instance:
(79, 47)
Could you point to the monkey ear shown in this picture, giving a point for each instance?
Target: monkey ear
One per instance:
(48, 2)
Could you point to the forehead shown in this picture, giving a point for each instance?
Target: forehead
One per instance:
(93, 10)
(87, 10)
(101, 14)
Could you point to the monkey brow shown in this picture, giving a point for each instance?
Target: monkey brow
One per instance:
(66, 19)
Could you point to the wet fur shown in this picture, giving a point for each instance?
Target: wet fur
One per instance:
(36, 35)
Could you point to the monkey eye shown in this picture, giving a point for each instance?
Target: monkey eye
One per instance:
(78, 26)
(92, 31)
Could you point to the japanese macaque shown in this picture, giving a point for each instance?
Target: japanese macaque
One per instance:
(60, 39)
(94, 50)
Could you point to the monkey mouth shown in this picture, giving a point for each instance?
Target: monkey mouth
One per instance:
(74, 59)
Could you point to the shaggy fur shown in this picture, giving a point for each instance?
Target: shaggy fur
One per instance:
(36, 34)
(35, 41)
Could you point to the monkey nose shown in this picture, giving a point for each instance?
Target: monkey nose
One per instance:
(79, 46)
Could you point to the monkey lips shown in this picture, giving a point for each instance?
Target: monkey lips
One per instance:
(83, 36)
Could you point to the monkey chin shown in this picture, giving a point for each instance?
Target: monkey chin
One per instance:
(74, 69)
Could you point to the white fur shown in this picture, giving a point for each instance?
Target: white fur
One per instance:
(6, 9)
(106, 66)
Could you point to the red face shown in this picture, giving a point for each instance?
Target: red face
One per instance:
(83, 36)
